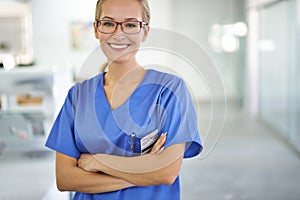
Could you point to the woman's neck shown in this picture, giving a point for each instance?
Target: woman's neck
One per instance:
(124, 72)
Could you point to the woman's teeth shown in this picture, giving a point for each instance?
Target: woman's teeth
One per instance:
(119, 46)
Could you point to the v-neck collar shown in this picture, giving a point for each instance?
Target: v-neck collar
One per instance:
(104, 97)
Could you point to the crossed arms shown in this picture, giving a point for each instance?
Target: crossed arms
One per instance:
(105, 173)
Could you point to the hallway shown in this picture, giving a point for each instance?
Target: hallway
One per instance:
(250, 161)
(245, 52)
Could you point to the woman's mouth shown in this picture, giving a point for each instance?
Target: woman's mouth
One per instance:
(119, 46)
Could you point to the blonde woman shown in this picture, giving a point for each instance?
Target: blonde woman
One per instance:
(124, 133)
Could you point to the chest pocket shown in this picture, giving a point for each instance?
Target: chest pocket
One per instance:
(144, 145)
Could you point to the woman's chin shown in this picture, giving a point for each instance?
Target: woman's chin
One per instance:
(122, 58)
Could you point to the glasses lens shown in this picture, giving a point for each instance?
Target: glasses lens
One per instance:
(107, 26)
(131, 27)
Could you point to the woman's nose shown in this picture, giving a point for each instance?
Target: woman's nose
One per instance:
(118, 34)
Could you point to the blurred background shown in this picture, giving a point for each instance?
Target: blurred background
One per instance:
(254, 45)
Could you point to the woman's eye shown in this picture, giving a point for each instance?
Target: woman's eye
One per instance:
(131, 25)
(109, 24)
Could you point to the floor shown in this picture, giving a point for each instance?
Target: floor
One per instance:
(249, 162)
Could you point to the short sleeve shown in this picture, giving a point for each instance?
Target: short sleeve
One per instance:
(62, 137)
(180, 119)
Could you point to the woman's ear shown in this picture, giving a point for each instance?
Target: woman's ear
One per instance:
(96, 32)
(146, 32)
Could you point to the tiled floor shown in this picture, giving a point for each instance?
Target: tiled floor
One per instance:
(249, 162)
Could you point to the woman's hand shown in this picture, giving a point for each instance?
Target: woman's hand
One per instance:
(159, 144)
(88, 162)
(68, 173)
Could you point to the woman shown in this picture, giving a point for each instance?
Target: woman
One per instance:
(123, 134)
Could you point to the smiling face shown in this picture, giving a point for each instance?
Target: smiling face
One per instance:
(120, 46)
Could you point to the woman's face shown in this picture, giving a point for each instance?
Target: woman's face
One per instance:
(119, 46)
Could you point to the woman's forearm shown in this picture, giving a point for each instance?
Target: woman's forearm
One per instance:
(72, 178)
(156, 176)
(149, 169)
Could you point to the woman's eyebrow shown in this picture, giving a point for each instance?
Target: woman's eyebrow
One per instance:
(130, 19)
(106, 17)
(126, 19)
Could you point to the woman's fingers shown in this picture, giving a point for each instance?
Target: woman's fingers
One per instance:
(87, 162)
(159, 144)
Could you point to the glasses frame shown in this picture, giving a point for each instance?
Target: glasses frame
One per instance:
(142, 25)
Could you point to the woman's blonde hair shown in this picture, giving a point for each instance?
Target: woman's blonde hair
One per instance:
(146, 18)
(144, 4)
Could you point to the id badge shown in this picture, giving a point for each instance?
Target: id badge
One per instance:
(148, 142)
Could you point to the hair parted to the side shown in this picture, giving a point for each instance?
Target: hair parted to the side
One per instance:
(146, 18)
(144, 4)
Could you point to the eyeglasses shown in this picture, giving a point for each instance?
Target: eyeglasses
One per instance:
(129, 27)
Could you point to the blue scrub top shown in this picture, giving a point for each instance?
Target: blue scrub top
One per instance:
(87, 124)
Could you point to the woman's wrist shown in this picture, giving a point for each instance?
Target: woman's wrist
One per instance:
(98, 164)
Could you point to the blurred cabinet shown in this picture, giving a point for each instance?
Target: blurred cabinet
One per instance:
(29, 103)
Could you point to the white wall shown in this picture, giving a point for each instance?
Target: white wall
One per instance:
(52, 30)
(194, 18)
(298, 12)
(162, 13)
(255, 3)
